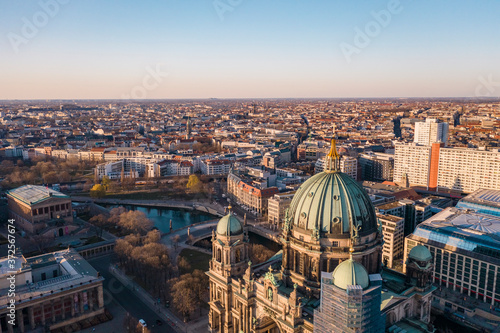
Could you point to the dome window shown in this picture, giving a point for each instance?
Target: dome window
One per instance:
(336, 219)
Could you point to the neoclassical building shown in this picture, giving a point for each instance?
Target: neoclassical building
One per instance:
(330, 226)
(51, 291)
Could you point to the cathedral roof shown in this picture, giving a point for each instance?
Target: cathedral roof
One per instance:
(420, 253)
(229, 225)
(350, 273)
(331, 202)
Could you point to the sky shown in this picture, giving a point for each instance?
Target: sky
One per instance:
(155, 49)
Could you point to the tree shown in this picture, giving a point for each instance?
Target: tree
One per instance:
(135, 221)
(114, 214)
(154, 236)
(97, 191)
(184, 266)
(194, 184)
(50, 177)
(184, 296)
(42, 242)
(100, 222)
(175, 241)
(105, 182)
(259, 253)
(189, 291)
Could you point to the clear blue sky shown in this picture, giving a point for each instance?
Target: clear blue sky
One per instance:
(261, 48)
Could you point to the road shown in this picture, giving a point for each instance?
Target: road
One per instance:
(220, 189)
(113, 288)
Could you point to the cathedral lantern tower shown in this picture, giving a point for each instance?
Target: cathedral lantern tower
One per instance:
(229, 260)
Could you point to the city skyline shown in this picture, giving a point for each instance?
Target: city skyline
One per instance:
(241, 49)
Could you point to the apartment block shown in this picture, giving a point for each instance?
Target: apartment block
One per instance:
(393, 232)
(437, 167)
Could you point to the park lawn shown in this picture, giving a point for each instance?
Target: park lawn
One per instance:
(197, 260)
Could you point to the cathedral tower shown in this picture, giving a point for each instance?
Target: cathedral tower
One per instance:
(229, 260)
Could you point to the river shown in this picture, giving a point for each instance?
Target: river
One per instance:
(161, 216)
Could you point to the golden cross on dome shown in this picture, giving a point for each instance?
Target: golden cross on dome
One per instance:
(333, 157)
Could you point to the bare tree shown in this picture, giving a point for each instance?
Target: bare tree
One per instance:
(135, 221)
(42, 242)
(100, 222)
(175, 241)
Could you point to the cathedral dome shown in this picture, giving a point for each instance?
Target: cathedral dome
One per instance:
(331, 202)
(350, 273)
(229, 226)
(420, 253)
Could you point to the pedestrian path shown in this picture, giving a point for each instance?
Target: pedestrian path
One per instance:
(165, 314)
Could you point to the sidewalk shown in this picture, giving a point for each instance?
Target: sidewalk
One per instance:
(178, 325)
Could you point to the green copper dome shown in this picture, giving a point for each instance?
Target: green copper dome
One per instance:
(350, 273)
(420, 253)
(229, 226)
(331, 202)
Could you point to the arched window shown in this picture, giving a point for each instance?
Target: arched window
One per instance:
(238, 255)
(219, 255)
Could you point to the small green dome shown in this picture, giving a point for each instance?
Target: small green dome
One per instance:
(420, 253)
(350, 273)
(229, 226)
(331, 202)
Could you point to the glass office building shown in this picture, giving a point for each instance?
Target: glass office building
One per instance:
(465, 246)
(482, 201)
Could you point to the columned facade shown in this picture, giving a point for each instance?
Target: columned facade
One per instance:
(56, 310)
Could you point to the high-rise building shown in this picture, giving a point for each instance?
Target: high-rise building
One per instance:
(431, 131)
(411, 164)
(413, 212)
(397, 127)
(436, 167)
(393, 231)
(377, 166)
(456, 118)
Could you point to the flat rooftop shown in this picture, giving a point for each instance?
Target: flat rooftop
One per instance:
(33, 194)
(464, 230)
(390, 218)
(390, 205)
(484, 197)
(75, 270)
